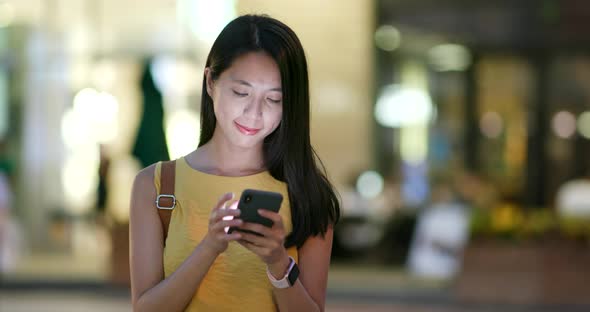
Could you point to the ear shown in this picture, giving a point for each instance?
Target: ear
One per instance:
(209, 83)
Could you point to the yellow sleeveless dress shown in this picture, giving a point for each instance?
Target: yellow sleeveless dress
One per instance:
(237, 279)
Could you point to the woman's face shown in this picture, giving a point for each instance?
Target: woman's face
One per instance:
(247, 99)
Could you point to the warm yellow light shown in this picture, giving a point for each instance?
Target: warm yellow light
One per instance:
(85, 98)
(584, 124)
(80, 178)
(6, 14)
(449, 57)
(99, 112)
(105, 124)
(79, 40)
(182, 132)
(414, 143)
(104, 74)
(74, 131)
(120, 181)
(205, 18)
(176, 77)
(400, 106)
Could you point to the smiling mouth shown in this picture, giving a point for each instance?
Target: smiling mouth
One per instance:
(246, 130)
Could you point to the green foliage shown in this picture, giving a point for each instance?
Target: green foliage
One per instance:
(513, 223)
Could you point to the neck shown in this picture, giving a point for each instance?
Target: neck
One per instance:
(221, 157)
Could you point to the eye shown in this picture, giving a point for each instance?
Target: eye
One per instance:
(239, 94)
(274, 101)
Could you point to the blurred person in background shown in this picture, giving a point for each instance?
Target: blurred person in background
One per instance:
(102, 189)
(441, 234)
(255, 134)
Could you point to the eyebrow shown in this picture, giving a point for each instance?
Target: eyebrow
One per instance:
(243, 82)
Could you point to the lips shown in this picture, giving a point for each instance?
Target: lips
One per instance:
(246, 130)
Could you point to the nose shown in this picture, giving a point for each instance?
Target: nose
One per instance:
(254, 109)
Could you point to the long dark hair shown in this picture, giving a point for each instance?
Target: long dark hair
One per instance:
(288, 153)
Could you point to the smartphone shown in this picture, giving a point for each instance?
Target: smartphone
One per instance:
(251, 201)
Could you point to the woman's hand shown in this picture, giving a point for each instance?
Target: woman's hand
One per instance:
(270, 246)
(222, 217)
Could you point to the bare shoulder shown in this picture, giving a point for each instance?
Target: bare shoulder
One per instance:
(143, 195)
(144, 179)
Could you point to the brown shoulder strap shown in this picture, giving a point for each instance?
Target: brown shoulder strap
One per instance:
(166, 200)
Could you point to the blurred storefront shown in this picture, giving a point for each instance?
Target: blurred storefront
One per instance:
(503, 88)
(92, 93)
(508, 83)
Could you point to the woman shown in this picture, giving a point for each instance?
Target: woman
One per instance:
(255, 134)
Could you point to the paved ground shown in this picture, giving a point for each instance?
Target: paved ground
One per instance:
(349, 289)
(61, 301)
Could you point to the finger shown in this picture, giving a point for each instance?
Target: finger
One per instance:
(226, 214)
(258, 228)
(233, 205)
(236, 236)
(275, 217)
(221, 203)
(222, 200)
(245, 244)
(231, 210)
(256, 240)
(226, 223)
(223, 213)
(260, 251)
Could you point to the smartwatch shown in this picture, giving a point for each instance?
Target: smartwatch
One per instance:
(290, 277)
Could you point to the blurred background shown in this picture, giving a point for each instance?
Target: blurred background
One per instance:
(456, 132)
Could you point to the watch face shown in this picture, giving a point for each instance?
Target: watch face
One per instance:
(293, 275)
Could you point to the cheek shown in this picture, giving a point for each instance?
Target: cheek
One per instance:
(225, 109)
(275, 118)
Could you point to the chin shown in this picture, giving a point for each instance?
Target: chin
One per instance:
(247, 142)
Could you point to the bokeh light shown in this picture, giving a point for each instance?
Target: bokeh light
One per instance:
(176, 77)
(414, 144)
(491, 125)
(6, 14)
(449, 57)
(387, 38)
(206, 18)
(79, 178)
(100, 111)
(399, 106)
(584, 124)
(564, 124)
(369, 184)
(182, 132)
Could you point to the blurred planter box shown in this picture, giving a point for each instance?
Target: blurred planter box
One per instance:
(543, 273)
